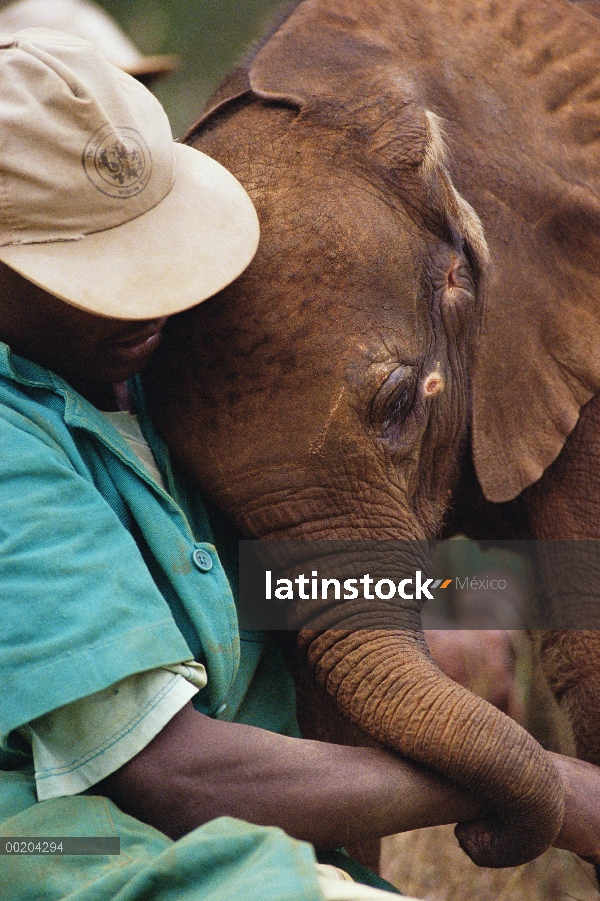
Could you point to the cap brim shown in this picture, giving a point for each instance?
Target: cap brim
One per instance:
(192, 244)
(153, 66)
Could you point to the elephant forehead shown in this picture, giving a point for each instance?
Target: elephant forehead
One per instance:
(383, 132)
(336, 242)
(363, 259)
(337, 72)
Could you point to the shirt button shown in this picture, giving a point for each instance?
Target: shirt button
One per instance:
(202, 561)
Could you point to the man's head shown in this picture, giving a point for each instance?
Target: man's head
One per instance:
(98, 205)
(85, 19)
(106, 225)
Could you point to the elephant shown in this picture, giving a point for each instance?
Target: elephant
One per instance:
(409, 352)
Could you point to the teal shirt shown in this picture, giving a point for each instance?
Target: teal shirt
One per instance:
(97, 573)
(97, 582)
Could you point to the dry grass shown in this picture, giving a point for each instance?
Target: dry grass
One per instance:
(428, 864)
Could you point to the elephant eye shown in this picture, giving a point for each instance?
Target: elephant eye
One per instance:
(393, 401)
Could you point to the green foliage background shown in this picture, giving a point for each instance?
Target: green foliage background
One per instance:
(209, 36)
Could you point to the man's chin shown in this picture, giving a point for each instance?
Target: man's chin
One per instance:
(127, 361)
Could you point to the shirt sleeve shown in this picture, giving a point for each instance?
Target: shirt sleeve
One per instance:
(83, 742)
(80, 609)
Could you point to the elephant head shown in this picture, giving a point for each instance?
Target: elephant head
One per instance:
(423, 174)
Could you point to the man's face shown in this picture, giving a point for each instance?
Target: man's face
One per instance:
(83, 348)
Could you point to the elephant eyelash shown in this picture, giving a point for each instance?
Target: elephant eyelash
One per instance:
(393, 401)
(402, 405)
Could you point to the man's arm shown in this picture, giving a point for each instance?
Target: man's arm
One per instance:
(198, 768)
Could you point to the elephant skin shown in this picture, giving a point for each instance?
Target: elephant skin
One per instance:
(425, 179)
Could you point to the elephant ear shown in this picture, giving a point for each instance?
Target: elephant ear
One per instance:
(526, 155)
(518, 87)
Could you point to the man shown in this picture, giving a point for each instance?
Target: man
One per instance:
(128, 708)
(85, 19)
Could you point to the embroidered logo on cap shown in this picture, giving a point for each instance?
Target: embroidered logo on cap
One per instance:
(118, 163)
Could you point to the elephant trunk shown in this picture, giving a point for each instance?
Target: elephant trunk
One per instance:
(387, 684)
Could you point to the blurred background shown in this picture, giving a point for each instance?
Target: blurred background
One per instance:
(208, 35)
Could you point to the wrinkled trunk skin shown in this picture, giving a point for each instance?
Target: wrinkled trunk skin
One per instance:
(385, 683)
(375, 666)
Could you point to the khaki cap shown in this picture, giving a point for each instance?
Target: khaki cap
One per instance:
(98, 205)
(86, 20)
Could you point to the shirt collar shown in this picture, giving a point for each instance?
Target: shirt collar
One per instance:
(81, 413)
